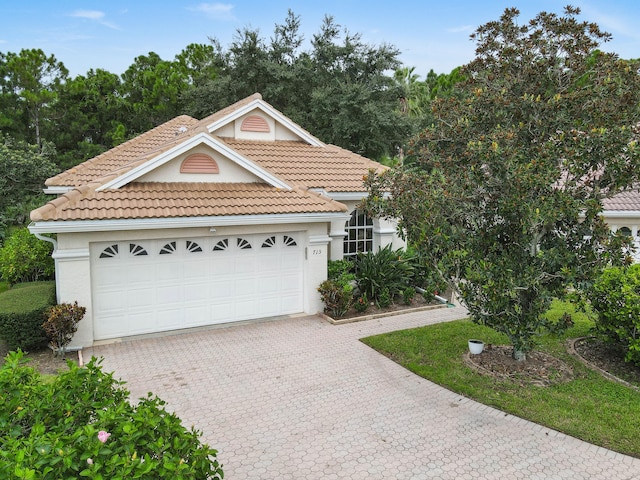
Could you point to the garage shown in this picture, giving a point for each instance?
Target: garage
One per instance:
(159, 285)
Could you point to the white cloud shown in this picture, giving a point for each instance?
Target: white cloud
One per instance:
(461, 29)
(96, 16)
(218, 11)
(90, 14)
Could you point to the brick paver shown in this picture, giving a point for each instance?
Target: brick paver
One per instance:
(299, 398)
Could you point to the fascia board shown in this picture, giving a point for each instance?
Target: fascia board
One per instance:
(621, 214)
(199, 139)
(183, 222)
(342, 196)
(265, 108)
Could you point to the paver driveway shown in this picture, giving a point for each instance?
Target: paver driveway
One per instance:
(299, 398)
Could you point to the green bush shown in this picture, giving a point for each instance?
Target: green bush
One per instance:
(408, 295)
(615, 298)
(337, 269)
(22, 311)
(386, 269)
(361, 304)
(82, 424)
(24, 258)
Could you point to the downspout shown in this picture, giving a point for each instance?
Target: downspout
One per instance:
(53, 241)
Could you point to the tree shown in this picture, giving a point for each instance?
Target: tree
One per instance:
(506, 197)
(90, 110)
(152, 88)
(24, 169)
(32, 79)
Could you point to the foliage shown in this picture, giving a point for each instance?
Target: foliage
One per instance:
(61, 323)
(361, 304)
(384, 298)
(385, 269)
(337, 296)
(589, 407)
(24, 169)
(29, 81)
(83, 425)
(338, 268)
(615, 298)
(408, 295)
(22, 309)
(506, 187)
(24, 258)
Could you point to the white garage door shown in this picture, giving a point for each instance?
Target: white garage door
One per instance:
(158, 285)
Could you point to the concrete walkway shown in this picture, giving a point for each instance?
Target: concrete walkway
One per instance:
(299, 398)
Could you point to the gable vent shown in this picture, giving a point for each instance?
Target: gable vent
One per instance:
(199, 163)
(254, 123)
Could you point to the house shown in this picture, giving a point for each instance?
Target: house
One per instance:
(622, 213)
(201, 222)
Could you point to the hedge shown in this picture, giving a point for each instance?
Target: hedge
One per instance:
(22, 313)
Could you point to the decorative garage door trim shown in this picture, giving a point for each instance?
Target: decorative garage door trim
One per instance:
(146, 286)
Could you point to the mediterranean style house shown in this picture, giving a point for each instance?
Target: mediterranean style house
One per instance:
(201, 222)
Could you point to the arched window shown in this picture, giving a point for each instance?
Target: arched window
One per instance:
(625, 231)
(359, 237)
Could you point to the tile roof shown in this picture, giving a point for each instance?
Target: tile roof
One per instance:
(127, 155)
(330, 168)
(297, 163)
(172, 200)
(624, 201)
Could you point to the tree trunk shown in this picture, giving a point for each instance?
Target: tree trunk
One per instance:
(519, 355)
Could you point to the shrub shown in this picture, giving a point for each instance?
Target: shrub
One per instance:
(337, 269)
(384, 298)
(408, 294)
(337, 297)
(615, 298)
(24, 258)
(22, 309)
(361, 304)
(82, 424)
(61, 324)
(385, 269)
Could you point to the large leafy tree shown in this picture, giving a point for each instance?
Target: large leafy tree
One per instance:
(506, 191)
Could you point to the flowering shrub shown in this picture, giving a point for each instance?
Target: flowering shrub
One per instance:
(82, 425)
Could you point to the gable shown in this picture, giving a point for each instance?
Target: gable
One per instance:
(200, 164)
(258, 121)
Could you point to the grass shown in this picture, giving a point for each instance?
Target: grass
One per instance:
(589, 407)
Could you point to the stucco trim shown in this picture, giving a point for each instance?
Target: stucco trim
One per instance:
(183, 222)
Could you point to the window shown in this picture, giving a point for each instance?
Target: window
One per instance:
(625, 231)
(359, 234)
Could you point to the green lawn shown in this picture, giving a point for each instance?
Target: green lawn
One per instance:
(589, 407)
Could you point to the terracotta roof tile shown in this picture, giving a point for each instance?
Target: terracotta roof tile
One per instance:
(625, 201)
(170, 200)
(128, 154)
(331, 168)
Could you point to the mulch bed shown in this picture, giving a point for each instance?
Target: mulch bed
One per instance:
(608, 357)
(539, 369)
(43, 360)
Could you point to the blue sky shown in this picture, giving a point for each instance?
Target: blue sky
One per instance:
(109, 34)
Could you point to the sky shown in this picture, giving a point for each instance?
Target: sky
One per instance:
(110, 34)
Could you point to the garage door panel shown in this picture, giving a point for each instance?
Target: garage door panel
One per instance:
(191, 282)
